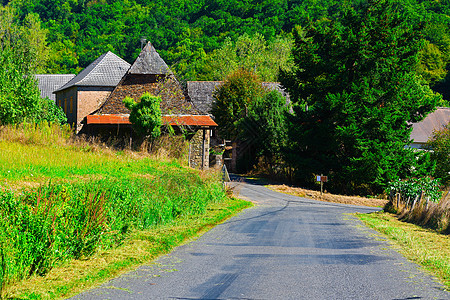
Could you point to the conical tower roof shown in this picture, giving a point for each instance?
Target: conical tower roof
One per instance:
(150, 74)
(149, 63)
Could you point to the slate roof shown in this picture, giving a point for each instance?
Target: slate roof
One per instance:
(201, 92)
(149, 63)
(149, 73)
(277, 86)
(48, 83)
(423, 130)
(107, 70)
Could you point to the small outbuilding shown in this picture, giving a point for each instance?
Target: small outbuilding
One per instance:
(149, 73)
(86, 92)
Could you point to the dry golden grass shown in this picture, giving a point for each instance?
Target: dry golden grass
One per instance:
(430, 215)
(327, 197)
(423, 246)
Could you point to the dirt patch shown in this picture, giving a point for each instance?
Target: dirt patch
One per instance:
(327, 197)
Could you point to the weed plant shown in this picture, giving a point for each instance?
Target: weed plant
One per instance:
(43, 133)
(41, 228)
(430, 214)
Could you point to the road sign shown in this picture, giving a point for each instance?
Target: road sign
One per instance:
(322, 178)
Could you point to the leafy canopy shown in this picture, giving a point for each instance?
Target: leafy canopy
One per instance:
(266, 124)
(22, 54)
(145, 115)
(356, 90)
(233, 99)
(439, 143)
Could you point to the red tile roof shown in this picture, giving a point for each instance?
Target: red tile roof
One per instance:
(107, 119)
(190, 120)
(177, 120)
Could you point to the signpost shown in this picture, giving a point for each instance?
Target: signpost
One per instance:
(321, 179)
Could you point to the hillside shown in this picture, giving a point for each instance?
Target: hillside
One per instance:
(186, 33)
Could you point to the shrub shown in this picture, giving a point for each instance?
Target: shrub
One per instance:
(41, 228)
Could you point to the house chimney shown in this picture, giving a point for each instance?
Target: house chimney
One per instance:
(143, 42)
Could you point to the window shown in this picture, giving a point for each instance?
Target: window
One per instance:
(71, 105)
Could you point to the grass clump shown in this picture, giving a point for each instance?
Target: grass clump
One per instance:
(421, 204)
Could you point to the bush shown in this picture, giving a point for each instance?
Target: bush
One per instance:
(439, 143)
(412, 188)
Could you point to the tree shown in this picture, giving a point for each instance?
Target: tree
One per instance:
(22, 53)
(250, 52)
(233, 99)
(439, 143)
(265, 128)
(145, 115)
(356, 92)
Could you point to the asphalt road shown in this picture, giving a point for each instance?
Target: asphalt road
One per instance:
(285, 247)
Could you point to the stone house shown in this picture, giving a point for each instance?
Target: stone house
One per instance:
(87, 91)
(149, 73)
(423, 130)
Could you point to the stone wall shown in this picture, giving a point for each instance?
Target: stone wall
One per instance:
(199, 149)
(89, 100)
(67, 100)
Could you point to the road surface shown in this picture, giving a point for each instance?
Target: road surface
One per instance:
(285, 247)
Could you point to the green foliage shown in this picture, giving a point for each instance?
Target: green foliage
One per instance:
(26, 36)
(439, 144)
(42, 228)
(265, 127)
(145, 115)
(92, 200)
(263, 132)
(411, 189)
(233, 100)
(192, 35)
(356, 90)
(19, 94)
(184, 32)
(252, 53)
(22, 53)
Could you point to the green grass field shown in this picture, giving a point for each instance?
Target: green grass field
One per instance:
(73, 214)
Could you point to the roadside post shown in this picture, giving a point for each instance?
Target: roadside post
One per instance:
(321, 179)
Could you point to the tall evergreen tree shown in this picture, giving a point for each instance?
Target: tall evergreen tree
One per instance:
(356, 92)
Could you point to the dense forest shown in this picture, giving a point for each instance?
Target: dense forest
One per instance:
(198, 38)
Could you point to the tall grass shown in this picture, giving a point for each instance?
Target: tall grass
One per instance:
(424, 213)
(43, 133)
(85, 200)
(41, 228)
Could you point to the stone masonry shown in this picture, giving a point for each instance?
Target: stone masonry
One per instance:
(199, 149)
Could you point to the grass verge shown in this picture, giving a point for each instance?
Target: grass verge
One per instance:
(139, 247)
(425, 247)
(327, 197)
